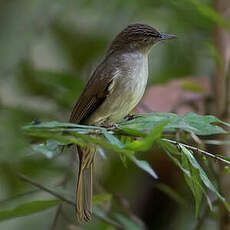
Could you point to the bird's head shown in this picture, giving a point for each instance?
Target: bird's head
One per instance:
(138, 37)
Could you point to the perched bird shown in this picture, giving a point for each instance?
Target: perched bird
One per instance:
(114, 89)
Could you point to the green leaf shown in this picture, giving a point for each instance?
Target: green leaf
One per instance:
(190, 178)
(49, 149)
(147, 142)
(173, 158)
(112, 139)
(58, 137)
(114, 144)
(144, 145)
(27, 209)
(115, 141)
(57, 124)
(132, 132)
(190, 122)
(76, 138)
(144, 165)
(194, 182)
(146, 121)
(101, 142)
(169, 147)
(203, 175)
(203, 124)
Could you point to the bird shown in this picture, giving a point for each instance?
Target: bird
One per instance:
(112, 92)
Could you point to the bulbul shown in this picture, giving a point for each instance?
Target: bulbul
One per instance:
(113, 90)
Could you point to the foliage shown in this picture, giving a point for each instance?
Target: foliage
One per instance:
(149, 129)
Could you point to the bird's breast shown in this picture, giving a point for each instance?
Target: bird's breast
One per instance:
(129, 86)
(126, 89)
(136, 79)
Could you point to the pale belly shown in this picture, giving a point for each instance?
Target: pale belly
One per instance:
(126, 92)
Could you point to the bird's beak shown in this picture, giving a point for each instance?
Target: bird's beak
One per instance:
(167, 36)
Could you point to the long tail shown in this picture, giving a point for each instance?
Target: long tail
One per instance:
(85, 182)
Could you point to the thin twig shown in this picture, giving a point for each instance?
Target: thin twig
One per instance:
(38, 185)
(63, 183)
(57, 214)
(196, 149)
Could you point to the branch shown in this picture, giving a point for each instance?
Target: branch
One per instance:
(57, 213)
(36, 184)
(63, 183)
(196, 149)
(72, 203)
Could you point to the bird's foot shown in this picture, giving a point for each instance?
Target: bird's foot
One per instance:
(129, 117)
(108, 125)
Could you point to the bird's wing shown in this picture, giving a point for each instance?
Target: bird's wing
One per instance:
(95, 92)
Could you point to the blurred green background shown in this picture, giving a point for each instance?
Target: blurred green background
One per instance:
(48, 50)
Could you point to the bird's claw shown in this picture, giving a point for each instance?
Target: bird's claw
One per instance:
(129, 117)
(108, 125)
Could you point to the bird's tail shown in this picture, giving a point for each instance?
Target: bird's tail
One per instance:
(85, 182)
